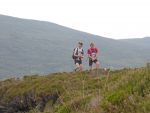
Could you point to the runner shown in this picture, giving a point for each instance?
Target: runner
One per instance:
(78, 56)
(93, 55)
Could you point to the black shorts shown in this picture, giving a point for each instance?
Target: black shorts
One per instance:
(79, 61)
(91, 62)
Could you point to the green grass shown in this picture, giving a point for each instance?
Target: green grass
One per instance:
(125, 91)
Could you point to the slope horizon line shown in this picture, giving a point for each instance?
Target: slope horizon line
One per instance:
(30, 19)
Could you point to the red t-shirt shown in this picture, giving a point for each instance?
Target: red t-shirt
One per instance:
(92, 52)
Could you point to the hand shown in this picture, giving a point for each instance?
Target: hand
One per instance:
(80, 56)
(93, 59)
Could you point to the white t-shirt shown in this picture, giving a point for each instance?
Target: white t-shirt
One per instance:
(80, 51)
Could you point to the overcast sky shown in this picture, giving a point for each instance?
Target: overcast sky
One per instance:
(110, 18)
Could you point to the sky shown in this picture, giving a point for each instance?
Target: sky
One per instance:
(116, 19)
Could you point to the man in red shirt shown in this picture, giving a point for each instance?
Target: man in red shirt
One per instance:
(93, 55)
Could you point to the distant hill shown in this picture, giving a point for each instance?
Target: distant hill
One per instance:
(30, 46)
(123, 91)
(139, 41)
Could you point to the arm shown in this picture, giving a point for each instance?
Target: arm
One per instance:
(89, 56)
(75, 53)
(82, 54)
(88, 53)
(97, 53)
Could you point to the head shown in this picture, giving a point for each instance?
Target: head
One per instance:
(92, 45)
(80, 44)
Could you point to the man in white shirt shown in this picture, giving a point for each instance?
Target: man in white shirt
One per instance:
(78, 55)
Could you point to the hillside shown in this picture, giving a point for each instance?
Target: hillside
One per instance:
(38, 47)
(140, 42)
(124, 91)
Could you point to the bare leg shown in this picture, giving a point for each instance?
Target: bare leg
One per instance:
(90, 68)
(77, 66)
(97, 65)
(81, 67)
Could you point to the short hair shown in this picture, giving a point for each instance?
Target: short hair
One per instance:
(91, 43)
(81, 43)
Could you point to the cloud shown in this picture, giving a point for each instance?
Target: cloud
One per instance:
(110, 18)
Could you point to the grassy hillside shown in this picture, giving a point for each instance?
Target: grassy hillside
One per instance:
(31, 47)
(124, 91)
